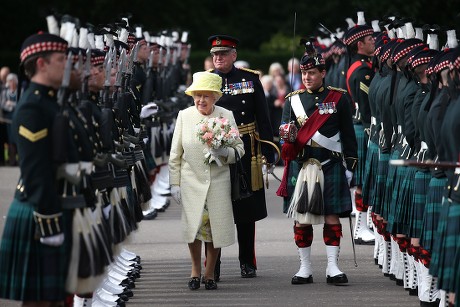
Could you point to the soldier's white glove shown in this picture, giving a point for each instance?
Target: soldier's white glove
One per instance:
(55, 240)
(349, 176)
(175, 194)
(221, 151)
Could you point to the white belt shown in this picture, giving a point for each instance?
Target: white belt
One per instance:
(373, 120)
(332, 143)
(399, 129)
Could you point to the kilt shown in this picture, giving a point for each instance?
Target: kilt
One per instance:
(389, 185)
(29, 270)
(362, 139)
(432, 211)
(336, 192)
(294, 169)
(370, 170)
(378, 197)
(406, 203)
(396, 197)
(445, 247)
(422, 179)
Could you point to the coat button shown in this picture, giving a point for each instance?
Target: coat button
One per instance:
(243, 101)
(242, 113)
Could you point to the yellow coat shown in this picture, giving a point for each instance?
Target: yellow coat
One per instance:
(200, 182)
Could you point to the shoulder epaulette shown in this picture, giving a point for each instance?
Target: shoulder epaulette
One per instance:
(250, 70)
(337, 89)
(294, 93)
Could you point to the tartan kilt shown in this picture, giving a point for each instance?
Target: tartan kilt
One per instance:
(396, 198)
(389, 185)
(362, 139)
(445, 248)
(406, 202)
(370, 170)
(29, 270)
(336, 194)
(432, 211)
(421, 181)
(378, 196)
(294, 169)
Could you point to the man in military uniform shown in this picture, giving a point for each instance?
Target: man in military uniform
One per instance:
(325, 141)
(361, 45)
(244, 95)
(33, 259)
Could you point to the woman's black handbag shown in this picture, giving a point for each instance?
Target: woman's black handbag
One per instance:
(241, 186)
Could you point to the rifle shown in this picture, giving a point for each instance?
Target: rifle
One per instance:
(429, 163)
(60, 131)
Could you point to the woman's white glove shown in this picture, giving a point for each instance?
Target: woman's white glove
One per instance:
(349, 176)
(55, 240)
(175, 193)
(221, 151)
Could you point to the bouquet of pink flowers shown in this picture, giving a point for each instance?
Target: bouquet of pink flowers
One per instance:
(216, 132)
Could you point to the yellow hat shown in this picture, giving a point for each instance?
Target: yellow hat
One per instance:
(205, 81)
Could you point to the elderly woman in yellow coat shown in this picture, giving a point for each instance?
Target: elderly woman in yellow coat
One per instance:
(203, 189)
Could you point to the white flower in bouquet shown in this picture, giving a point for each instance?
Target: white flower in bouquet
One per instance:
(216, 132)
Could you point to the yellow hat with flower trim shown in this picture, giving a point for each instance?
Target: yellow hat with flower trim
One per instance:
(205, 81)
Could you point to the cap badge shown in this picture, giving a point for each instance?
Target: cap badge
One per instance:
(218, 41)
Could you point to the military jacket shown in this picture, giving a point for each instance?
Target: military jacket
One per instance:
(339, 122)
(358, 86)
(244, 96)
(32, 126)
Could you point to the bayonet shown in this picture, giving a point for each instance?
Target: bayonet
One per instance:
(65, 80)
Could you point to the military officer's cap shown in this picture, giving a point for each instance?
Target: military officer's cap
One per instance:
(75, 53)
(97, 57)
(444, 61)
(388, 48)
(411, 55)
(404, 47)
(311, 59)
(355, 33)
(41, 43)
(222, 43)
(380, 40)
(421, 57)
(456, 59)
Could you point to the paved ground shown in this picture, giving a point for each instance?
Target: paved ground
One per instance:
(166, 265)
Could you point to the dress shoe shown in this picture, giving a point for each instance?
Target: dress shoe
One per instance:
(337, 279)
(248, 271)
(210, 284)
(151, 215)
(194, 283)
(297, 280)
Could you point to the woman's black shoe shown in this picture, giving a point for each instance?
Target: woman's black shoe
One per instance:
(194, 283)
(210, 284)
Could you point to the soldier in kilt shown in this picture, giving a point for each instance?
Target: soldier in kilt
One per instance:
(447, 245)
(361, 46)
(33, 256)
(322, 178)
